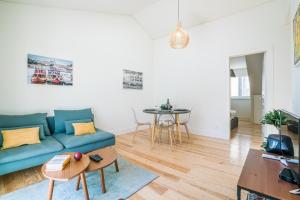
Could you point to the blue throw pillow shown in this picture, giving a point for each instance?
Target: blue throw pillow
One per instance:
(41, 131)
(51, 124)
(8, 121)
(60, 116)
(69, 125)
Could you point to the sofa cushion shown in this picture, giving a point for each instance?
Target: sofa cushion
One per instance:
(69, 125)
(41, 132)
(66, 115)
(18, 137)
(49, 145)
(51, 124)
(71, 141)
(84, 128)
(8, 121)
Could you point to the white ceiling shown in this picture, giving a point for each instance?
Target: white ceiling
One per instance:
(157, 17)
(128, 7)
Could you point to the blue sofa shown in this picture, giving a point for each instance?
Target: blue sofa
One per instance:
(27, 156)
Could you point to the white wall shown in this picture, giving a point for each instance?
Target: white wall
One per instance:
(255, 64)
(237, 62)
(295, 69)
(198, 76)
(243, 108)
(99, 45)
(255, 68)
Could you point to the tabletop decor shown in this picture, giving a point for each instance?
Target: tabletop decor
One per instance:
(58, 163)
(77, 156)
(277, 143)
(166, 106)
(51, 71)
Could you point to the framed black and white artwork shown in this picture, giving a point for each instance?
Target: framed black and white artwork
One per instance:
(132, 79)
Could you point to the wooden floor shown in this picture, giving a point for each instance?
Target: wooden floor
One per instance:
(200, 168)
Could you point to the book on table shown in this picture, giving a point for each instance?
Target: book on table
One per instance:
(58, 163)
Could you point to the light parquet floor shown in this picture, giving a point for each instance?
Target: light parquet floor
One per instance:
(199, 168)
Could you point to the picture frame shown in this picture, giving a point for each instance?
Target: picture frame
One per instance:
(296, 36)
(132, 79)
(49, 71)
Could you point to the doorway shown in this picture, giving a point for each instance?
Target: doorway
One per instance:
(247, 91)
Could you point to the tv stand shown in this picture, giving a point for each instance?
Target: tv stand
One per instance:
(261, 176)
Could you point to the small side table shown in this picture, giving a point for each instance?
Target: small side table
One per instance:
(73, 169)
(110, 156)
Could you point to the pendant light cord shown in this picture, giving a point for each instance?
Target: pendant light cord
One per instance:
(178, 11)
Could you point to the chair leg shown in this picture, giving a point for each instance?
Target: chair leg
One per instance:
(159, 134)
(187, 131)
(173, 134)
(153, 134)
(170, 137)
(150, 130)
(134, 135)
(176, 136)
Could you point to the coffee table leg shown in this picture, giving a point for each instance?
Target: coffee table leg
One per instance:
(102, 180)
(85, 189)
(78, 183)
(117, 166)
(50, 191)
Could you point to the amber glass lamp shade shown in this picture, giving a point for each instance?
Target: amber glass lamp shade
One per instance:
(180, 38)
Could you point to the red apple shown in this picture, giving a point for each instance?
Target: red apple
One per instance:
(77, 156)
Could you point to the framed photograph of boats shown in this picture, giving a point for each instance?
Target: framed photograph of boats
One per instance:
(296, 31)
(50, 71)
(132, 79)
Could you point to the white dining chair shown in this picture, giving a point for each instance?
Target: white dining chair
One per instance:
(166, 122)
(139, 124)
(184, 122)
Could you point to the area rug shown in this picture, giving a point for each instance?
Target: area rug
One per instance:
(122, 184)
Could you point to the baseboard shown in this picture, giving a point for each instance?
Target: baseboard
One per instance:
(200, 132)
(210, 133)
(122, 131)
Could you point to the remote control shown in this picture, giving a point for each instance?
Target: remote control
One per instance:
(96, 158)
(296, 191)
(268, 156)
(289, 160)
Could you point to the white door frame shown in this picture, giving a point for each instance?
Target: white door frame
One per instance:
(268, 79)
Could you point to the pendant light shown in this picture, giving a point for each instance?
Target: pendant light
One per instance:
(180, 38)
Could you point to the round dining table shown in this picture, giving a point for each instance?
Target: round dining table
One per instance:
(158, 112)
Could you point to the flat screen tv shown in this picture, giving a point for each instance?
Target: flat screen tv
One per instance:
(296, 129)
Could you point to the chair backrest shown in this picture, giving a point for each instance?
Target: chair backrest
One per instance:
(164, 117)
(187, 117)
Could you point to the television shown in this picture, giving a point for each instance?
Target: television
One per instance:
(296, 129)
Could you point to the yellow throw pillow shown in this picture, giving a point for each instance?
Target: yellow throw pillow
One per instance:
(18, 137)
(84, 128)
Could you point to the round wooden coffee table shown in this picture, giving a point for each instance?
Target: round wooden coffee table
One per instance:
(110, 156)
(73, 169)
